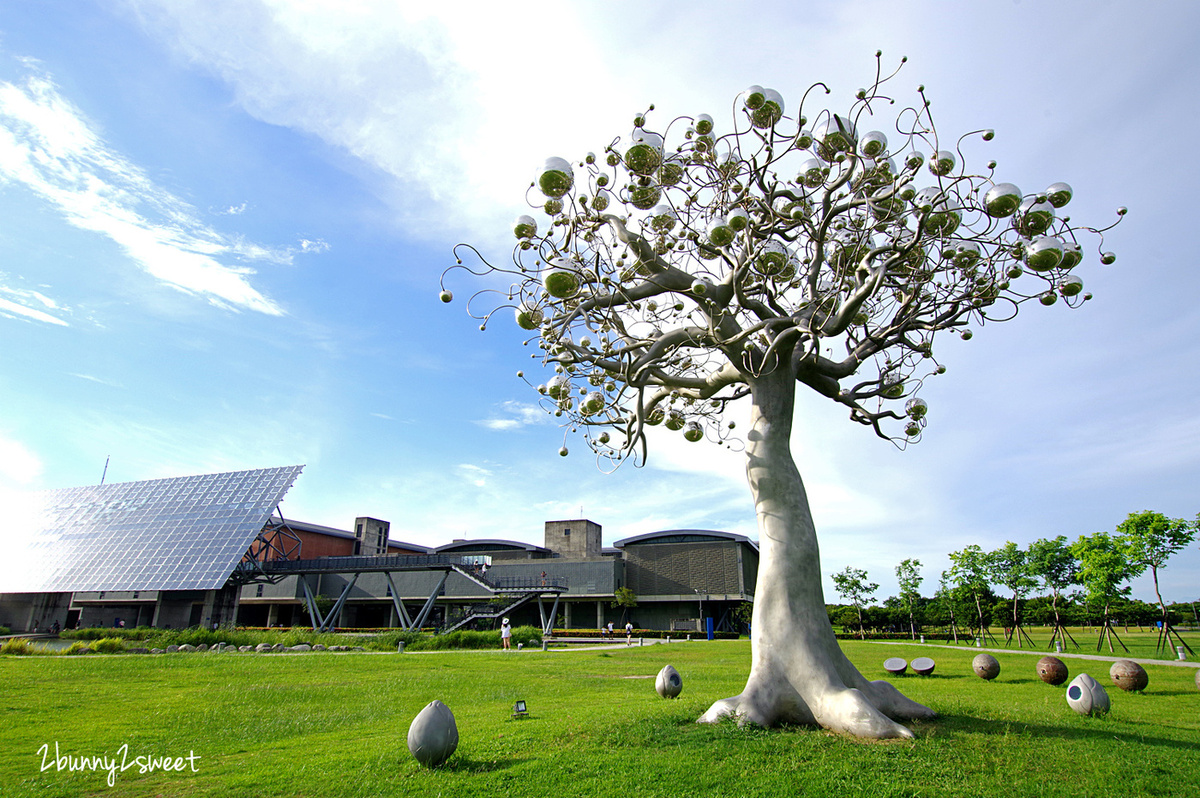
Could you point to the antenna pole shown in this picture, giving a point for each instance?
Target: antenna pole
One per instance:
(105, 474)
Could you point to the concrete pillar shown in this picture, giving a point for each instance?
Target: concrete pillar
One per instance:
(272, 614)
(599, 614)
(567, 614)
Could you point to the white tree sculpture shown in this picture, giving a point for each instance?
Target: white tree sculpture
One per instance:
(692, 266)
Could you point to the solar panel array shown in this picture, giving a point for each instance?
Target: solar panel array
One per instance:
(183, 533)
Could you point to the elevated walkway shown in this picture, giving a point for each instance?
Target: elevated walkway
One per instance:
(521, 589)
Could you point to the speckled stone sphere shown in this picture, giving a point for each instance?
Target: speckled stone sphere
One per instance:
(895, 665)
(1128, 675)
(1198, 679)
(986, 666)
(1052, 670)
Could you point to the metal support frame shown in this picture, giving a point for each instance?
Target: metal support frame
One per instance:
(406, 622)
(328, 622)
(429, 602)
(548, 624)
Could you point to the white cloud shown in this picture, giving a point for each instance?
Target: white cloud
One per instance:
(18, 310)
(48, 145)
(515, 416)
(473, 474)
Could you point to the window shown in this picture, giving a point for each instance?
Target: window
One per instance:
(567, 532)
(259, 591)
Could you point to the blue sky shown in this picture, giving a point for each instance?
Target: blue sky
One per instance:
(224, 225)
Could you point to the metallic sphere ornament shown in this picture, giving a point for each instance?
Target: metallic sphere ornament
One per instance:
(1044, 253)
(1052, 670)
(1072, 256)
(923, 665)
(704, 124)
(770, 112)
(873, 144)
(602, 200)
(738, 219)
(525, 226)
(1058, 194)
(1048, 298)
(561, 283)
(1086, 696)
(1128, 675)
(644, 154)
(529, 317)
(986, 666)
(812, 173)
(916, 407)
(942, 163)
(754, 97)
(720, 234)
(1002, 200)
(668, 683)
(446, 296)
(556, 177)
(433, 735)
(693, 432)
(644, 197)
(662, 219)
(1071, 285)
(1033, 217)
(836, 134)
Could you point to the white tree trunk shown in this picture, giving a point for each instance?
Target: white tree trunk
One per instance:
(798, 673)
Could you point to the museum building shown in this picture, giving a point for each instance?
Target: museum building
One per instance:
(213, 549)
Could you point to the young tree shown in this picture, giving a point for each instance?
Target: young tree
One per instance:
(971, 571)
(1150, 539)
(908, 575)
(1104, 567)
(695, 265)
(851, 583)
(624, 598)
(1010, 567)
(1051, 562)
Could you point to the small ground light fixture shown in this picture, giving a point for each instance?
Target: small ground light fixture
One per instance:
(519, 710)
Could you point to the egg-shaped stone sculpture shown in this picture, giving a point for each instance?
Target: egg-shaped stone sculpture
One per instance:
(669, 683)
(433, 735)
(1086, 696)
(986, 666)
(1128, 675)
(1052, 670)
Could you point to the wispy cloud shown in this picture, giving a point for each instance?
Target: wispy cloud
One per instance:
(29, 305)
(233, 210)
(474, 474)
(514, 415)
(47, 145)
(97, 380)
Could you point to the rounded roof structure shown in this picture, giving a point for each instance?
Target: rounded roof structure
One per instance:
(686, 536)
(488, 544)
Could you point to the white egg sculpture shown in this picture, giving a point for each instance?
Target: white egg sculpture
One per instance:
(669, 683)
(1086, 696)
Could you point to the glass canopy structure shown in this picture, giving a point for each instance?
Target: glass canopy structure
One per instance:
(182, 533)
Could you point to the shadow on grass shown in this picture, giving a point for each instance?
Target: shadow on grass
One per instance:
(966, 724)
(462, 764)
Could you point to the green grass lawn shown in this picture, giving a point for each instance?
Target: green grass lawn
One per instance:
(335, 725)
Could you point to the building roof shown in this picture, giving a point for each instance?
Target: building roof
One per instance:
(181, 533)
(686, 536)
(489, 544)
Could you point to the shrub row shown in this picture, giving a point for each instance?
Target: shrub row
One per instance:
(648, 633)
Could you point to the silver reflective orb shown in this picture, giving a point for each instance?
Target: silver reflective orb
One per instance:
(704, 124)
(738, 219)
(754, 97)
(1086, 696)
(770, 112)
(1048, 298)
(942, 163)
(433, 735)
(1033, 217)
(812, 173)
(669, 683)
(1058, 194)
(1072, 256)
(556, 177)
(525, 226)
(1043, 254)
(914, 160)
(662, 218)
(916, 407)
(873, 144)
(720, 234)
(1002, 200)
(644, 153)
(1071, 285)
(693, 432)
